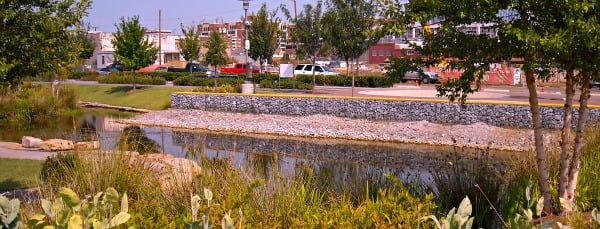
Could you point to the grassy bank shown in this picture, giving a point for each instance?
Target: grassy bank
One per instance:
(145, 97)
(17, 174)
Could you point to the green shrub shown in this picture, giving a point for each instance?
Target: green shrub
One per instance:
(87, 76)
(37, 103)
(127, 78)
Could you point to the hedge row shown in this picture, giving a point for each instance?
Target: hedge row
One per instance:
(128, 79)
(265, 80)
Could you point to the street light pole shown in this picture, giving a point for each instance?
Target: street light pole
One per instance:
(246, 4)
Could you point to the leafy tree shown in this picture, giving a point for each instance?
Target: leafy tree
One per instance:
(190, 45)
(263, 35)
(87, 44)
(131, 46)
(543, 33)
(216, 54)
(35, 37)
(308, 32)
(348, 26)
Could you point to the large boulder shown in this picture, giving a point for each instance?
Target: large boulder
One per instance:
(173, 172)
(83, 146)
(31, 142)
(56, 145)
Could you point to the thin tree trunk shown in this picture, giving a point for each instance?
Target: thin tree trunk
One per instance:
(565, 141)
(578, 149)
(347, 67)
(539, 143)
(353, 78)
(134, 80)
(314, 60)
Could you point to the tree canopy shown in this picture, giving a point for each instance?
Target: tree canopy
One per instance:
(543, 34)
(36, 37)
(264, 35)
(131, 46)
(190, 45)
(348, 27)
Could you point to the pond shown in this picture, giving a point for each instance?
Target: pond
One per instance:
(343, 165)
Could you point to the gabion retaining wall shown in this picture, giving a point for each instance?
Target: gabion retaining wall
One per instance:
(378, 109)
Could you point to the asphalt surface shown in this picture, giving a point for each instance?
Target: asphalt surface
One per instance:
(16, 151)
(511, 94)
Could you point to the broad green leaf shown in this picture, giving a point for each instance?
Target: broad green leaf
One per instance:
(75, 222)
(465, 208)
(208, 194)
(124, 203)
(70, 198)
(112, 196)
(119, 219)
(227, 222)
(97, 198)
(47, 207)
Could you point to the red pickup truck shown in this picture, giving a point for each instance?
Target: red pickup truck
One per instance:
(238, 68)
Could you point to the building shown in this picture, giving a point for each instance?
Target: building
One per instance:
(404, 44)
(168, 51)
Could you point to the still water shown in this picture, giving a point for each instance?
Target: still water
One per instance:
(357, 162)
(343, 165)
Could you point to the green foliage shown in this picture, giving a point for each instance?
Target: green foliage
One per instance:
(350, 42)
(588, 190)
(308, 31)
(131, 46)
(196, 81)
(168, 76)
(341, 80)
(36, 103)
(189, 46)
(128, 78)
(9, 212)
(133, 138)
(455, 219)
(69, 211)
(35, 37)
(263, 35)
(85, 76)
(216, 54)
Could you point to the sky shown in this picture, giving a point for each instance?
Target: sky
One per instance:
(104, 14)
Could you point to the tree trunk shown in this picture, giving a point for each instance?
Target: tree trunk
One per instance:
(539, 143)
(565, 141)
(578, 149)
(347, 67)
(314, 60)
(353, 78)
(134, 80)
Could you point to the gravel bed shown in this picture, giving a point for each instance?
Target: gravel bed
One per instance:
(476, 135)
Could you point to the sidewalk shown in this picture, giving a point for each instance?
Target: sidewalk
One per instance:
(16, 151)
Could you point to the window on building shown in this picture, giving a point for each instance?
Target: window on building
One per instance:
(103, 61)
(381, 52)
(374, 53)
(410, 52)
(388, 52)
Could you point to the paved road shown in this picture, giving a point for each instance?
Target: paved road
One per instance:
(489, 93)
(14, 150)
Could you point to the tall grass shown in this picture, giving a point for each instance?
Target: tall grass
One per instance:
(35, 103)
(298, 200)
(588, 186)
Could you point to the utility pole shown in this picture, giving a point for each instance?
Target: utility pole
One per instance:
(159, 39)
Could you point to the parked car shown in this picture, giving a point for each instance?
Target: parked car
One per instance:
(195, 68)
(423, 77)
(111, 68)
(307, 69)
(239, 68)
(154, 68)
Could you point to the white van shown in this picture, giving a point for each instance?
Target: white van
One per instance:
(307, 69)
